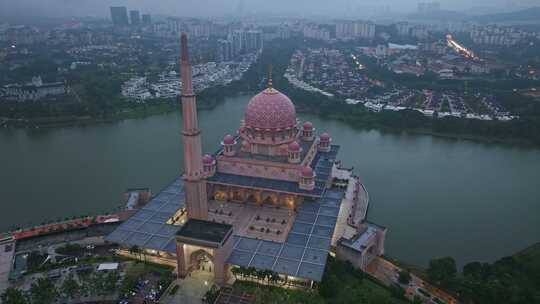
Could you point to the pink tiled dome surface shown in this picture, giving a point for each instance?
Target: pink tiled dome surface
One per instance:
(307, 171)
(270, 109)
(294, 146)
(228, 139)
(207, 159)
(325, 136)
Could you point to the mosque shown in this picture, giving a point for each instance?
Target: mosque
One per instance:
(272, 197)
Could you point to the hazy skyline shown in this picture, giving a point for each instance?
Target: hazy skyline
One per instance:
(198, 8)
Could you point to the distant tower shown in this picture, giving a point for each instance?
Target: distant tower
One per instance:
(146, 19)
(195, 184)
(119, 15)
(135, 18)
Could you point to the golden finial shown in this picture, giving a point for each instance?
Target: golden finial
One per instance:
(270, 76)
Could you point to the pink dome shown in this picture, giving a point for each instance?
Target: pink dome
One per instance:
(270, 109)
(325, 136)
(308, 125)
(228, 139)
(307, 171)
(294, 147)
(207, 159)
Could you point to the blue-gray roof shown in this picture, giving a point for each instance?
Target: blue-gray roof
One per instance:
(305, 250)
(302, 255)
(147, 228)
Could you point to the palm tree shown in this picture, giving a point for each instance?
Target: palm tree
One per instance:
(274, 277)
(251, 272)
(135, 250)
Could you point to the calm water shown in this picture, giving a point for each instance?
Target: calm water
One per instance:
(437, 196)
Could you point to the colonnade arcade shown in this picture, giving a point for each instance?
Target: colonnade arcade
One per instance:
(223, 193)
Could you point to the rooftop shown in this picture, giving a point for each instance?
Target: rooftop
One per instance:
(205, 231)
(304, 145)
(322, 165)
(305, 250)
(148, 227)
(362, 240)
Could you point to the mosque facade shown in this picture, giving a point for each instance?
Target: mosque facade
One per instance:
(273, 197)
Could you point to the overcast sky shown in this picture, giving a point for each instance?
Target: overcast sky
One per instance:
(332, 8)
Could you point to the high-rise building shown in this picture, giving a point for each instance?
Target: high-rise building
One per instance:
(135, 17)
(224, 50)
(428, 7)
(253, 40)
(237, 40)
(146, 19)
(119, 15)
(355, 29)
(175, 25)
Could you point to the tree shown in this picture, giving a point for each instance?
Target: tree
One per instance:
(43, 292)
(329, 286)
(404, 277)
(110, 283)
(442, 270)
(397, 291)
(13, 296)
(476, 270)
(70, 288)
(96, 284)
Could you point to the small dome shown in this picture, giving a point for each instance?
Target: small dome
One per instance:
(308, 125)
(307, 171)
(270, 109)
(228, 139)
(294, 147)
(325, 137)
(207, 159)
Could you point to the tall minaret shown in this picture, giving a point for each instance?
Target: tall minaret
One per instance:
(194, 182)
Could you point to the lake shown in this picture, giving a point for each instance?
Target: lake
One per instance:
(437, 196)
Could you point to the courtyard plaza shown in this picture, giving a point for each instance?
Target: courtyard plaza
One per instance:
(255, 221)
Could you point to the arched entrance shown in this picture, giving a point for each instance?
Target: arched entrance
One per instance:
(270, 199)
(202, 260)
(253, 196)
(238, 195)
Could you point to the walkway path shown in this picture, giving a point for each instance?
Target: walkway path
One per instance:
(388, 274)
(192, 288)
(7, 252)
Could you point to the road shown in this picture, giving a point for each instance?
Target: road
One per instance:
(388, 273)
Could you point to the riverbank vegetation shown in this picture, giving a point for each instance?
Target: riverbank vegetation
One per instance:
(513, 279)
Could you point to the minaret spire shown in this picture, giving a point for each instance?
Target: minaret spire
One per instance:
(270, 76)
(194, 183)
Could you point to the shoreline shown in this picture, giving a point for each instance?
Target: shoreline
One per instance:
(154, 109)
